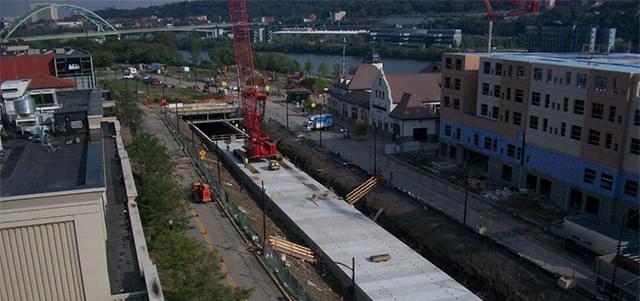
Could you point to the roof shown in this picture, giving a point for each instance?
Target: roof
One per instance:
(412, 108)
(421, 86)
(619, 62)
(363, 78)
(358, 97)
(30, 167)
(50, 82)
(25, 66)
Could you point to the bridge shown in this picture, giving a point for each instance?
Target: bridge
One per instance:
(104, 28)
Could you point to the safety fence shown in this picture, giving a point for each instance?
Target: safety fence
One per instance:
(272, 261)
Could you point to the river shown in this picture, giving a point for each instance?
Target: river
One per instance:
(391, 66)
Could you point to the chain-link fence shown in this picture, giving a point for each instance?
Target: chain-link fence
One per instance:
(271, 259)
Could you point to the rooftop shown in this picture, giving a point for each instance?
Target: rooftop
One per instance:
(363, 78)
(620, 62)
(422, 86)
(358, 97)
(29, 167)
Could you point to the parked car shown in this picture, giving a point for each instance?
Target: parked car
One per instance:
(155, 82)
(128, 76)
(146, 79)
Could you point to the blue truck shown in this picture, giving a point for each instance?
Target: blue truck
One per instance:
(319, 122)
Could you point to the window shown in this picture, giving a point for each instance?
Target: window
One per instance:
(447, 82)
(606, 181)
(576, 132)
(594, 137)
(485, 89)
(547, 100)
(520, 72)
(537, 74)
(458, 64)
(535, 98)
(549, 75)
(43, 99)
(636, 118)
(517, 118)
(519, 95)
(379, 81)
(496, 90)
(487, 142)
(616, 86)
(563, 129)
(498, 69)
(457, 84)
(484, 109)
(506, 115)
(581, 80)
(597, 109)
(635, 146)
(476, 139)
(578, 106)
(487, 68)
(518, 152)
(601, 83)
(447, 101)
(447, 63)
(612, 113)
(495, 112)
(447, 130)
(511, 150)
(545, 123)
(510, 70)
(589, 175)
(495, 145)
(533, 121)
(458, 133)
(631, 188)
(565, 104)
(608, 140)
(567, 78)
(456, 103)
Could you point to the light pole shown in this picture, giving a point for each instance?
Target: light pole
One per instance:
(614, 294)
(375, 150)
(466, 186)
(353, 276)
(264, 219)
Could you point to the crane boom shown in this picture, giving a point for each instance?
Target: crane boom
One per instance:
(258, 145)
(525, 7)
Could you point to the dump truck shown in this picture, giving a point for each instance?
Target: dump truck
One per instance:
(319, 122)
(201, 192)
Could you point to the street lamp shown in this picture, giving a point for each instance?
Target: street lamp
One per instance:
(467, 162)
(353, 275)
(613, 294)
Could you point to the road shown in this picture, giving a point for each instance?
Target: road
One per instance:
(244, 269)
(521, 237)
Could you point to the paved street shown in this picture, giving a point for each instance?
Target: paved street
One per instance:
(244, 269)
(523, 238)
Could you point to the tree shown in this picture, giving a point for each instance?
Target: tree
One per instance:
(323, 70)
(337, 70)
(308, 67)
(103, 58)
(128, 111)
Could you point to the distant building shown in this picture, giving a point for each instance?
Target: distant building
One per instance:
(267, 19)
(562, 126)
(418, 38)
(570, 38)
(324, 35)
(50, 13)
(339, 16)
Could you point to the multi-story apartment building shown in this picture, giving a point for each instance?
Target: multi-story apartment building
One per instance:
(419, 38)
(564, 126)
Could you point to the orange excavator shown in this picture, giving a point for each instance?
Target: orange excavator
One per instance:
(201, 192)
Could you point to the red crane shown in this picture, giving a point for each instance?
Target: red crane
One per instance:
(258, 145)
(524, 7)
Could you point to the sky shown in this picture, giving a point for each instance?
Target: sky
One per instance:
(10, 8)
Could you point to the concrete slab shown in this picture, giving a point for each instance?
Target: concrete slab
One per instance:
(338, 232)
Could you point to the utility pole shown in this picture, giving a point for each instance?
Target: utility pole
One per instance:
(264, 219)
(375, 150)
(344, 56)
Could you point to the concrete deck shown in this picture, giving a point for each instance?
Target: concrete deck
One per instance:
(338, 232)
